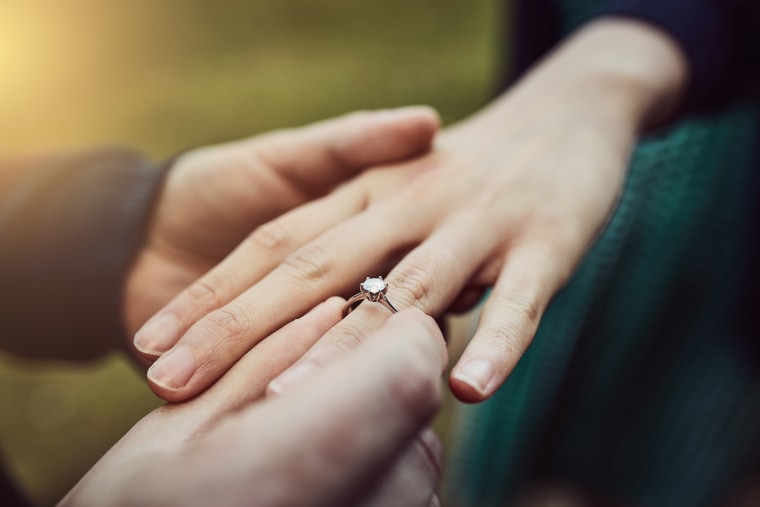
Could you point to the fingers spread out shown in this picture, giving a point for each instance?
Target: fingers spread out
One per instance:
(317, 158)
(508, 323)
(428, 278)
(342, 448)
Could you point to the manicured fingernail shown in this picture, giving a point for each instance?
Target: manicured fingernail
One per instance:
(174, 369)
(477, 374)
(289, 378)
(158, 336)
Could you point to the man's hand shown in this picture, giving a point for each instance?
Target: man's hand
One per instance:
(214, 197)
(355, 435)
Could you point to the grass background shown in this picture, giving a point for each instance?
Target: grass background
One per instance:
(165, 75)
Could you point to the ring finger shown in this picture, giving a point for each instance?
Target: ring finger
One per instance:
(429, 278)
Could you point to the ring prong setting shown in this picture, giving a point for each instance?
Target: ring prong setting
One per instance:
(373, 290)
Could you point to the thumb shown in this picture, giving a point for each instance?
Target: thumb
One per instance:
(318, 157)
(335, 438)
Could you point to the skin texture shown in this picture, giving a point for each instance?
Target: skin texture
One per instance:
(354, 436)
(510, 198)
(215, 196)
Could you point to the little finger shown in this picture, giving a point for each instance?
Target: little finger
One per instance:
(528, 280)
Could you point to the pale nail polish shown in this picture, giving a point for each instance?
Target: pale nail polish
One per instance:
(477, 374)
(289, 378)
(174, 369)
(158, 335)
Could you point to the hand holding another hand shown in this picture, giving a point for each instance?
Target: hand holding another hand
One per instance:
(510, 199)
(214, 197)
(354, 436)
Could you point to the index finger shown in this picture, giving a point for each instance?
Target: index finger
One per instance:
(318, 157)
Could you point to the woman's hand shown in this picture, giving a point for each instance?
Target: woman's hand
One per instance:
(511, 198)
(214, 197)
(354, 436)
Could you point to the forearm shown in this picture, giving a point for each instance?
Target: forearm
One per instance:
(617, 73)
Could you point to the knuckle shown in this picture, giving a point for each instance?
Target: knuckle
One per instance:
(357, 192)
(273, 153)
(310, 262)
(415, 285)
(415, 390)
(349, 335)
(525, 308)
(520, 315)
(269, 149)
(272, 237)
(205, 293)
(416, 279)
(336, 157)
(504, 341)
(231, 321)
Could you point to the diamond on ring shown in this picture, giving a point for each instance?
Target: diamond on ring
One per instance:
(373, 290)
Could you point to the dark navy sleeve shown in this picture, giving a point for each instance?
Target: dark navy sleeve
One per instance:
(720, 40)
(68, 233)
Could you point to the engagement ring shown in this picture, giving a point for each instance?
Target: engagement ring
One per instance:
(371, 289)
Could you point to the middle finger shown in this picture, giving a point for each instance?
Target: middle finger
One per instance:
(322, 268)
(429, 278)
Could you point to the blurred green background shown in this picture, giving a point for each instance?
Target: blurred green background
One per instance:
(165, 75)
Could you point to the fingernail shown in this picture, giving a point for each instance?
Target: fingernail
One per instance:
(289, 378)
(174, 369)
(477, 374)
(158, 336)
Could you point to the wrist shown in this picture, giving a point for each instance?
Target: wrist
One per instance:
(633, 67)
(617, 74)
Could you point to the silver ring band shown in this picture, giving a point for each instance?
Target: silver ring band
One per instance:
(371, 289)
